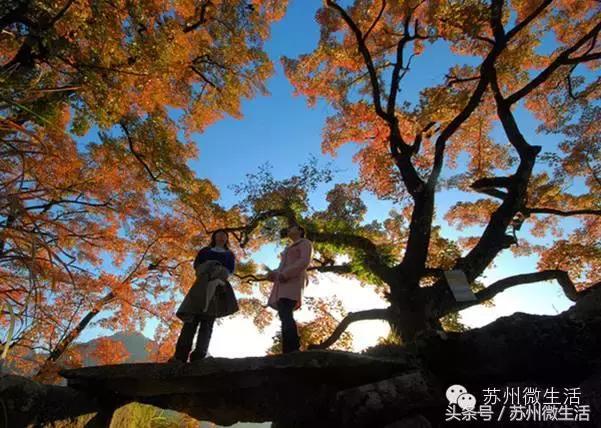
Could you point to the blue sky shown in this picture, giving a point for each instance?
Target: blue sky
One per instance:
(282, 130)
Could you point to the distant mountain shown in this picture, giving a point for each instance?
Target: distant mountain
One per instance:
(135, 343)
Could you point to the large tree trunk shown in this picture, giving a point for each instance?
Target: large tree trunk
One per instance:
(407, 322)
(409, 309)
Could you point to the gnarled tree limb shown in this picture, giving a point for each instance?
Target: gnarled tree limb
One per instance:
(364, 51)
(562, 59)
(370, 251)
(494, 238)
(562, 278)
(563, 213)
(138, 155)
(371, 314)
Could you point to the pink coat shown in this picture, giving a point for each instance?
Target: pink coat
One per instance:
(295, 260)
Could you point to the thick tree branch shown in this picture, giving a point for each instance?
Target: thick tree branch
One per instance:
(400, 150)
(463, 115)
(339, 269)
(402, 158)
(562, 59)
(421, 220)
(495, 193)
(247, 229)
(417, 142)
(562, 213)
(364, 51)
(371, 314)
(416, 253)
(369, 250)
(485, 182)
(489, 186)
(453, 80)
(51, 203)
(583, 58)
(494, 238)
(400, 63)
(496, 21)
(519, 27)
(562, 278)
(378, 17)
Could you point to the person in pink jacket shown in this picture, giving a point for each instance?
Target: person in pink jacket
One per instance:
(289, 280)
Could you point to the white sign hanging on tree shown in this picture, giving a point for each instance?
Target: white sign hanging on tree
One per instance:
(459, 286)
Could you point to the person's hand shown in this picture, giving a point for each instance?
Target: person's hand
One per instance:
(222, 272)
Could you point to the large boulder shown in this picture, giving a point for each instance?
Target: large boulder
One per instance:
(29, 403)
(551, 349)
(292, 388)
(393, 386)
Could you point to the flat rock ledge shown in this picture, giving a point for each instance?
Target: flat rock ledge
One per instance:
(219, 374)
(27, 403)
(391, 386)
(221, 390)
(226, 391)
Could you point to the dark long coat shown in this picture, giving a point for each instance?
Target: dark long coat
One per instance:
(223, 302)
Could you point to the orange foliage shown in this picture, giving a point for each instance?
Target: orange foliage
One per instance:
(108, 351)
(352, 69)
(99, 231)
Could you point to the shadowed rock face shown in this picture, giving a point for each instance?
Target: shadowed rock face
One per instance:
(29, 403)
(394, 386)
(520, 347)
(249, 389)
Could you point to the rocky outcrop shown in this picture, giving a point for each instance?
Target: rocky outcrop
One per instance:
(392, 386)
(521, 350)
(377, 403)
(29, 403)
(519, 347)
(226, 391)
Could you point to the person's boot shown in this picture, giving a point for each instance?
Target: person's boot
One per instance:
(290, 338)
(202, 341)
(290, 341)
(184, 343)
(180, 355)
(290, 349)
(296, 347)
(197, 355)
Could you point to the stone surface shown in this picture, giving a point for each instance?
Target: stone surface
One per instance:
(417, 421)
(256, 389)
(386, 401)
(30, 403)
(566, 347)
(394, 386)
